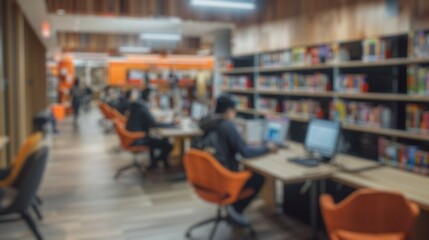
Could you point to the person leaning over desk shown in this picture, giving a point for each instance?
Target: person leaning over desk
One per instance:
(233, 144)
(140, 119)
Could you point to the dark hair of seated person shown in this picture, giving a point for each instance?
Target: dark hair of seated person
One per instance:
(223, 103)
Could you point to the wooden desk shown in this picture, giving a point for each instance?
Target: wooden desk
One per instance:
(176, 132)
(346, 169)
(277, 167)
(180, 134)
(413, 186)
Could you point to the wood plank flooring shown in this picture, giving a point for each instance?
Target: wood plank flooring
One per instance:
(82, 201)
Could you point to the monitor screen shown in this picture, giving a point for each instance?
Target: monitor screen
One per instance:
(322, 137)
(276, 130)
(198, 111)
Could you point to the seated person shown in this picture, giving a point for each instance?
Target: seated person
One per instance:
(124, 102)
(222, 122)
(140, 119)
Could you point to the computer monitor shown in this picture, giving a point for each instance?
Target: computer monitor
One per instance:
(199, 110)
(276, 130)
(322, 138)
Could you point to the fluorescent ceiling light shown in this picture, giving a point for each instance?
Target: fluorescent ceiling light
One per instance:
(249, 5)
(161, 36)
(126, 49)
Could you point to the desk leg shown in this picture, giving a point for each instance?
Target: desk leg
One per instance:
(313, 208)
(268, 194)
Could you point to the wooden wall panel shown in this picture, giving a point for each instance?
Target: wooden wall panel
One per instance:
(421, 14)
(289, 23)
(24, 71)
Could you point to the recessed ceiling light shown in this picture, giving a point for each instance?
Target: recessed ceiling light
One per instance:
(127, 49)
(61, 11)
(236, 4)
(161, 36)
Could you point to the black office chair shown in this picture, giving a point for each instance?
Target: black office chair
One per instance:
(26, 186)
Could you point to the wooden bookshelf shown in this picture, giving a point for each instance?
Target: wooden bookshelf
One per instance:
(386, 132)
(383, 97)
(237, 90)
(295, 68)
(346, 64)
(381, 63)
(248, 111)
(241, 70)
(296, 93)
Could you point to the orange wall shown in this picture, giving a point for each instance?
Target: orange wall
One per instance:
(117, 70)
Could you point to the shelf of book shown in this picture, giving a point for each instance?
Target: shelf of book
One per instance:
(240, 70)
(237, 90)
(345, 64)
(384, 97)
(326, 94)
(386, 132)
(295, 68)
(381, 63)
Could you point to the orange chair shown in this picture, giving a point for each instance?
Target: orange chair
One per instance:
(108, 115)
(119, 116)
(127, 138)
(369, 215)
(31, 144)
(215, 184)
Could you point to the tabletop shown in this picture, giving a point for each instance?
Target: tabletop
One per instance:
(349, 170)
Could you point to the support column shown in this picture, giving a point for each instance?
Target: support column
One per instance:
(222, 51)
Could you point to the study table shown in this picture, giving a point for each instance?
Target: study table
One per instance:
(346, 169)
(181, 133)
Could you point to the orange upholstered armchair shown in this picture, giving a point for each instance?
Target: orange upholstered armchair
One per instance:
(8, 176)
(108, 115)
(30, 145)
(215, 184)
(369, 215)
(127, 139)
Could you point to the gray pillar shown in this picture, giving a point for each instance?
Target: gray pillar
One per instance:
(222, 51)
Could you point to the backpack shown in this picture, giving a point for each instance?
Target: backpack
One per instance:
(213, 143)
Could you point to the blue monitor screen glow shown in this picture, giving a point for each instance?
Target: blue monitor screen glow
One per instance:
(276, 130)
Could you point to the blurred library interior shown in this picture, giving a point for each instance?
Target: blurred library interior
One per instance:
(214, 119)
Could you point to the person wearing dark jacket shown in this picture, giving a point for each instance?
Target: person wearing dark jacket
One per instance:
(140, 119)
(222, 122)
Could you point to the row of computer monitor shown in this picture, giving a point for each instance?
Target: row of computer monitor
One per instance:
(321, 138)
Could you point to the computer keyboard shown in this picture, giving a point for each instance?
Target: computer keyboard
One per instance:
(305, 162)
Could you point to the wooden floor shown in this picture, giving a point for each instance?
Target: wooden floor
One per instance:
(83, 201)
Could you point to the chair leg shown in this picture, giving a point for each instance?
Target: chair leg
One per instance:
(197, 225)
(32, 225)
(216, 220)
(135, 164)
(37, 211)
(213, 232)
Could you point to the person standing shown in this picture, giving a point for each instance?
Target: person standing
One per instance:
(76, 93)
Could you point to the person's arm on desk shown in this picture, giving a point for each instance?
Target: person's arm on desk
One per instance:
(153, 123)
(238, 144)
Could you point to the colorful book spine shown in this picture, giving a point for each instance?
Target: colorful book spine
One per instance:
(303, 107)
(237, 82)
(268, 104)
(361, 113)
(353, 83)
(402, 156)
